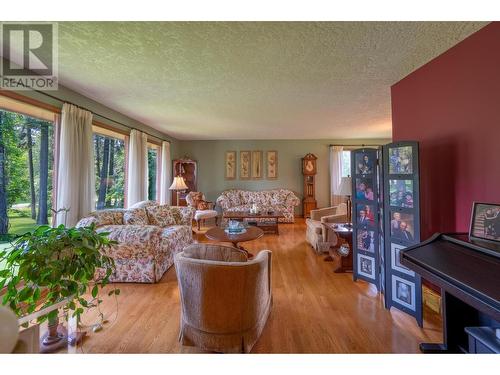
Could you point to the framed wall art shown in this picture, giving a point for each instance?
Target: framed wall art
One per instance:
(245, 164)
(230, 165)
(272, 165)
(256, 170)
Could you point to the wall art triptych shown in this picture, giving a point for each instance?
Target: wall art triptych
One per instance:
(251, 165)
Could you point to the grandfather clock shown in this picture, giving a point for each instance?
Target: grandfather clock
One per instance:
(309, 172)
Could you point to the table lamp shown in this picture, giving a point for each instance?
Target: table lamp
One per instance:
(178, 185)
(345, 188)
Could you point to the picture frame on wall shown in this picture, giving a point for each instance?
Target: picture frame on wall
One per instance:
(366, 266)
(485, 222)
(256, 170)
(403, 292)
(395, 259)
(245, 164)
(272, 165)
(230, 165)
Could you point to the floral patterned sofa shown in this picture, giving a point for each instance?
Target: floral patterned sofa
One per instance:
(277, 199)
(148, 236)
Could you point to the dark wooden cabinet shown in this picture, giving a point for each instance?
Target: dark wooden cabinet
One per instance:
(188, 169)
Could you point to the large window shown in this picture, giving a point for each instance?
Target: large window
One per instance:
(26, 167)
(346, 163)
(152, 171)
(109, 155)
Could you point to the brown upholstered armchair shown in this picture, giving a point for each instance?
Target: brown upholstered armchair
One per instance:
(317, 235)
(225, 298)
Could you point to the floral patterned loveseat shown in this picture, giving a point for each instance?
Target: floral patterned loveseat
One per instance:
(148, 236)
(283, 200)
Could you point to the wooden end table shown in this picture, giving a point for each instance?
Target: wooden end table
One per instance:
(344, 232)
(219, 234)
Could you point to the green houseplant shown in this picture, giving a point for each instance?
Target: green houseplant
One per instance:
(49, 265)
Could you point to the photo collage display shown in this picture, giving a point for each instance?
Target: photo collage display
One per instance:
(365, 236)
(401, 205)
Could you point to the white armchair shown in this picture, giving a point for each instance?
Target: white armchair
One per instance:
(317, 234)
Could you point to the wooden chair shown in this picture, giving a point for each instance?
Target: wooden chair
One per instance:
(204, 209)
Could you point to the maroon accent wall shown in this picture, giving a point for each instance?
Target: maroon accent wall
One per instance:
(451, 106)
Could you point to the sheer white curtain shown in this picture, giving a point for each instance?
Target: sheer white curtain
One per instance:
(335, 174)
(75, 178)
(166, 173)
(137, 186)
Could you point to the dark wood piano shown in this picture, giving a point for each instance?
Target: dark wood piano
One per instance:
(468, 273)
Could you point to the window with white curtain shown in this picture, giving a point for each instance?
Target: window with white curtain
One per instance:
(346, 163)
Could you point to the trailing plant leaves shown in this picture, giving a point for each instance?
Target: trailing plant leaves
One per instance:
(95, 290)
(60, 260)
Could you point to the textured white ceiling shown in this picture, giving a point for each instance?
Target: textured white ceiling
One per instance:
(255, 80)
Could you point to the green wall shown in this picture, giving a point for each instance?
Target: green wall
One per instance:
(210, 156)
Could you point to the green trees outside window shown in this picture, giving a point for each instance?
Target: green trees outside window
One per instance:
(152, 164)
(109, 154)
(26, 167)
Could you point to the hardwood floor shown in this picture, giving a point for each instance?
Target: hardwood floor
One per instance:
(314, 311)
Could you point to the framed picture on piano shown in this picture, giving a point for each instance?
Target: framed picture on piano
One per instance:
(485, 222)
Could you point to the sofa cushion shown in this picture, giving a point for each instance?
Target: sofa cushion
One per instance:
(234, 197)
(215, 252)
(135, 216)
(144, 204)
(135, 241)
(164, 215)
(203, 205)
(104, 217)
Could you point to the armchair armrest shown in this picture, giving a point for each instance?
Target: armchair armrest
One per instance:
(337, 218)
(317, 214)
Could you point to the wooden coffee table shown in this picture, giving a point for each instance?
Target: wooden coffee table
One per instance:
(220, 235)
(270, 224)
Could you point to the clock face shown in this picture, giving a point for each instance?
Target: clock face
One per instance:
(309, 166)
